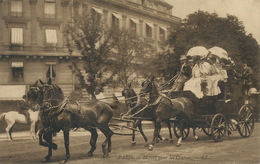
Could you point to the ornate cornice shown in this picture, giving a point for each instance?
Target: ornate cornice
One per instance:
(50, 23)
(12, 21)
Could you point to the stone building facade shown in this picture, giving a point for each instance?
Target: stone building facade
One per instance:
(32, 45)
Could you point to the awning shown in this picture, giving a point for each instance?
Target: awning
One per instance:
(150, 24)
(97, 10)
(164, 28)
(17, 64)
(135, 20)
(117, 16)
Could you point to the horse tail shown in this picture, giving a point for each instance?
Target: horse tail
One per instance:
(2, 116)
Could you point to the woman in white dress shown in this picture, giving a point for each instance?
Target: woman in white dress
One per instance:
(216, 74)
(199, 72)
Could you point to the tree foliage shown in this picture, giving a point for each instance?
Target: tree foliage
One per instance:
(89, 36)
(208, 30)
(130, 54)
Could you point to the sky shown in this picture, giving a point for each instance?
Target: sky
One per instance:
(247, 11)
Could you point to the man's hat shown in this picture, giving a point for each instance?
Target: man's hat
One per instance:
(183, 57)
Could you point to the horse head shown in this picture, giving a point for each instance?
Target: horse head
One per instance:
(34, 93)
(150, 87)
(130, 95)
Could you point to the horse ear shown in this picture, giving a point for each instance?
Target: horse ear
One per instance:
(35, 84)
(49, 82)
(41, 82)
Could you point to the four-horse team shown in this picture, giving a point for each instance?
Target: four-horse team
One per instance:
(202, 96)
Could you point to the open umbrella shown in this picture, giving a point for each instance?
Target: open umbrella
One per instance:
(198, 51)
(218, 51)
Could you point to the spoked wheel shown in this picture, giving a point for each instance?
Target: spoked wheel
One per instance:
(207, 131)
(246, 121)
(177, 132)
(218, 127)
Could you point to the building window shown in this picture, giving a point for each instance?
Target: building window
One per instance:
(133, 24)
(149, 30)
(51, 37)
(17, 36)
(115, 20)
(97, 14)
(162, 33)
(50, 72)
(16, 8)
(49, 8)
(17, 71)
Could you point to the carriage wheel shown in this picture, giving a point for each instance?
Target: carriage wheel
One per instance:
(207, 131)
(246, 121)
(218, 127)
(177, 132)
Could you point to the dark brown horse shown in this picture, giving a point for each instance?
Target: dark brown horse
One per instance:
(137, 107)
(166, 108)
(57, 113)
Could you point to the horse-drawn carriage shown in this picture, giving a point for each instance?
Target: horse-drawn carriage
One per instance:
(217, 116)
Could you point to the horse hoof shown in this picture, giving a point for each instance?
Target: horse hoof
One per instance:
(89, 154)
(196, 137)
(157, 141)
(46, 160)
(133, 143)
(63, 161)
(150, 148)
(105, 155)
(178, 144)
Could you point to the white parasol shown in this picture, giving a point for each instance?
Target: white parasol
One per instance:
(218, 51)
(198, 51)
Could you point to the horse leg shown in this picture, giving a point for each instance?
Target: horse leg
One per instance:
(181, 133)
(108, 133)
(66, 136)
(8, 130)
(170, 132)
(135, 124)
(32, 130)
(47, 136)
(93, 141)
(157, 128)
(142, 132)
(194, 133)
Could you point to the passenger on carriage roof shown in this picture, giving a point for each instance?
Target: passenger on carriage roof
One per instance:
(183, 75)
(24, 107)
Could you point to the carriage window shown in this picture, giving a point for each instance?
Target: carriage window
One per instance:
(50, 72)
(49, 8)
(149, 29)
(17, 71)
(16, 36)
(16, 8)
(51, 37)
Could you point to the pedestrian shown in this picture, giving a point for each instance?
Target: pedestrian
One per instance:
(24, 107)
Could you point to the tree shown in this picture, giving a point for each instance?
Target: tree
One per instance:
(90, 36)
(208, 30)
(129, 55)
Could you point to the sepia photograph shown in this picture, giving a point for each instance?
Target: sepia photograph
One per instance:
(130, 81)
